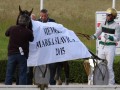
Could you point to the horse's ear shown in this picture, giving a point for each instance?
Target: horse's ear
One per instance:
(31, 11)
(20, 9)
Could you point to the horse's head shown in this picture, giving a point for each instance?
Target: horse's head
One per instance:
(24, 18)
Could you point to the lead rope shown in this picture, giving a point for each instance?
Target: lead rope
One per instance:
(103, 75)
(41, 86)
(43, 73)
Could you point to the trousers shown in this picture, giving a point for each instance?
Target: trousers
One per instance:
(108, 53)
(14, 60)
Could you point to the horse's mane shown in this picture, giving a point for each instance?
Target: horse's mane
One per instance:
(29, 26)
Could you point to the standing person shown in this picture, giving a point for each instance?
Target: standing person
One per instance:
(44, 16)
(109, 35)
(18, 48)
(65, 66)
(55, 68)
(52, 67)
(29, 69)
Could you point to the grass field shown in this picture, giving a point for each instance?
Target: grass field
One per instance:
(77, 15)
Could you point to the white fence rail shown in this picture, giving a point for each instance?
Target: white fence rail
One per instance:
(61, 87)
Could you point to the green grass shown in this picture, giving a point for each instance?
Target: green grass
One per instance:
(77, 15)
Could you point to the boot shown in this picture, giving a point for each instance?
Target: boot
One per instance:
(58, 82)
(66, 81)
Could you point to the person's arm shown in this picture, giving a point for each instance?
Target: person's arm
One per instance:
(97, 34)
(31, 37)
(115, 37)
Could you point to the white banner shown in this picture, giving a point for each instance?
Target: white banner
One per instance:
(54, 43)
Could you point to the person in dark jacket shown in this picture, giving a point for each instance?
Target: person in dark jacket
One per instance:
(44, 16)
(55, 68)
(52, 67)
(18, 49)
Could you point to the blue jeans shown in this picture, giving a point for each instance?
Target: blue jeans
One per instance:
(29, 75)
(14, 60)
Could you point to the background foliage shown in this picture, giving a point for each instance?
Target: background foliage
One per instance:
(77, 15)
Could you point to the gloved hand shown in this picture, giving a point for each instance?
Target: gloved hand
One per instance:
(106, 36)
(92, 37)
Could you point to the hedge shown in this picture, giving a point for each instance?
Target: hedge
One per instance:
(77, 71)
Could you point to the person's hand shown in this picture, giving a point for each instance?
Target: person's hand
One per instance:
(106, 36)
(92, 37)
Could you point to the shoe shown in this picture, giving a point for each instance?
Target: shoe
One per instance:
(58, 82)
(66, 81)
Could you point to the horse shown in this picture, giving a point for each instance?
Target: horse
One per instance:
(24, 19)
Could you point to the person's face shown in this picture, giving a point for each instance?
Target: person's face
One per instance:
(109, 17)
(44, 17)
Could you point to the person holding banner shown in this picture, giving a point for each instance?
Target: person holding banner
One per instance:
(44, 16)
(66, 68)
(55, 68)
(52, 67)
(108, 34)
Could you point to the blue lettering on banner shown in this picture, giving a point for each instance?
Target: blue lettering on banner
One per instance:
(54, 41)
(51, 30)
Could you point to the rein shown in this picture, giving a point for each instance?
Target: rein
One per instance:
(84, 35)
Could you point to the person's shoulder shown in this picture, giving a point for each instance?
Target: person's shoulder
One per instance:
(39, 20)
(103, 23)
(13, 27)
(51, 20)
(28, 30)
(117, 24)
